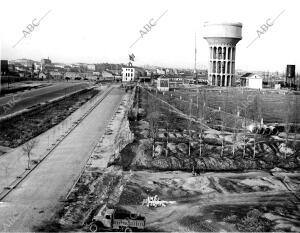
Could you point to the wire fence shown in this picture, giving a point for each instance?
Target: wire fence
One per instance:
(196, 107)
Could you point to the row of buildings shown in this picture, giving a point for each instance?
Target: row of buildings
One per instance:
(46, 69)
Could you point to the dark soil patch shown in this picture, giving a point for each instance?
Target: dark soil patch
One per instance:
(19, 129)
(125, 158)
(18, 89)
(161, 118)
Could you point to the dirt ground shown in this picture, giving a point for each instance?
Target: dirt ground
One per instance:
(164, 142)
(218, 201)
(20, 86)
(212, 199)
(215, 202)
(21, 128)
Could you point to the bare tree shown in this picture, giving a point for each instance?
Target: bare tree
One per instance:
(235, 124)
(257, 116)
(27, 149)
(295, 121)
(201, 113)
(137, 103)
(223, 121)
(167, 130)
(202, 118)
(244, 106)
(153, 118)
(287, 119)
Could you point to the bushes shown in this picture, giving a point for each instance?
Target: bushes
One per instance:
(252, 222)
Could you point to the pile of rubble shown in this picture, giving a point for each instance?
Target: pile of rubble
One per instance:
(155, 202)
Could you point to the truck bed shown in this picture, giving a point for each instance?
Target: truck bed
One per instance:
(120, 215)
(133, 223)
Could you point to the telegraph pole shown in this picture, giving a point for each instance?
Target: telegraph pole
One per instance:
(195, 64)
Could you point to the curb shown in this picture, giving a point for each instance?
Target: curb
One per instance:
(20, 178)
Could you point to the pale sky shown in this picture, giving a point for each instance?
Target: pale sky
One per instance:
(95, 31)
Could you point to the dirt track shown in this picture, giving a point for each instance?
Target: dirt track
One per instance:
(38, 196)
(20, 101)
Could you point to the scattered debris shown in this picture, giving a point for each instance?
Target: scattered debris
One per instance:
(155, 202)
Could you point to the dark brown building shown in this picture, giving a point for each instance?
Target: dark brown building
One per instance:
(4, 67)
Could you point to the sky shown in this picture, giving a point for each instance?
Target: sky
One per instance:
(96, 31)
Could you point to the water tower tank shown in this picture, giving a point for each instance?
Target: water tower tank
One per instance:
(222, 38)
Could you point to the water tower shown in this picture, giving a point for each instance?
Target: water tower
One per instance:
(222, 39)
(290, 76)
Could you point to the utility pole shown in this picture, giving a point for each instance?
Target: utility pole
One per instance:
(195, 64)
(198, 99)
(297, 81)
(190, 123)
(295, 121)
(201, 130)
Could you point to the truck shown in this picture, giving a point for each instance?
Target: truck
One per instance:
(117, 220)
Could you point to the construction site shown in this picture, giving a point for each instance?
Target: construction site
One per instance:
(199, 173)
(105, 147)
(183, 160)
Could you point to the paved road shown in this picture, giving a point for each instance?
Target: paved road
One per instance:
(38, 196)
(31, 97)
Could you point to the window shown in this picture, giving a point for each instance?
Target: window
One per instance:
(107, 216)
(220, 53)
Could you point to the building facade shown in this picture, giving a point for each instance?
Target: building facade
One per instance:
(251, 80)
(42, 75)
(56, 75)
(222, 39)
(163, 84)
(128, 74)
(72, 75)
(106, 75)
(91, 67)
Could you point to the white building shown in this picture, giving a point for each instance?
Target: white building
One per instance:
(128, 74)
(91, 67)
(163, 84)
(251, 80)
(160, 71)
(56, 75)
(42, 75)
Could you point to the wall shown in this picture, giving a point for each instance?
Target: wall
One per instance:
(255, 83)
